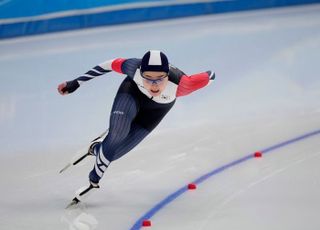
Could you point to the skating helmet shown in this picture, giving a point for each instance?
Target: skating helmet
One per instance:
(154, 60)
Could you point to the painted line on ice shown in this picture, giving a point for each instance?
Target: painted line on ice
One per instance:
(170, 198)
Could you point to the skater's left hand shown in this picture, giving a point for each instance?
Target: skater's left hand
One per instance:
(68, 87)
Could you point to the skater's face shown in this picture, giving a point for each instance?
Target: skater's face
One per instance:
(155, 82)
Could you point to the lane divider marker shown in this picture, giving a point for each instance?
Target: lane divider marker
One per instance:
(144, 220)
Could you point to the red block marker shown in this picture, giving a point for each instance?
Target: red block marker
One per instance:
(146, 223)
(192, 186)
(257, 154)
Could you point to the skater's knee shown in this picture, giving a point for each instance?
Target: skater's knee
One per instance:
(116, 136)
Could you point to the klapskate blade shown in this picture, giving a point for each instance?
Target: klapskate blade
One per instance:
(74, 202)
(65, 168)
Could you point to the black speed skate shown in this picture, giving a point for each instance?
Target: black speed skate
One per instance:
(89, 152)
(83, 193)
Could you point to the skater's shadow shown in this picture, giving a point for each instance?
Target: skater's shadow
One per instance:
(78, 218)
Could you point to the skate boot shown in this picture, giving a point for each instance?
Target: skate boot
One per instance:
(94, 142)
(83, 193)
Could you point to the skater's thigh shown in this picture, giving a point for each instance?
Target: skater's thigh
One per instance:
(125, 105)
(123, 112)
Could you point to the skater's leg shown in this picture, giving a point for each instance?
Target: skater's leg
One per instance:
(136, 135)
(123, 112)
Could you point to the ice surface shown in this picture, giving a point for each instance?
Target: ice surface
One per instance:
(266, 91)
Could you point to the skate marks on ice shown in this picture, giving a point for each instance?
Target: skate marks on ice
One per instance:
(79, 218)
(145, 176)
(233, 193)
(238, 193)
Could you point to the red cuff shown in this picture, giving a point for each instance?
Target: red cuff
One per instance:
(117, 64)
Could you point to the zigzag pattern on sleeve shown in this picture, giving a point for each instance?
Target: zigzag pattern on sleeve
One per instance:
(94, 72)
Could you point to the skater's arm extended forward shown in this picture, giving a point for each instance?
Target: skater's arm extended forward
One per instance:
(120, 65)
(189, 84)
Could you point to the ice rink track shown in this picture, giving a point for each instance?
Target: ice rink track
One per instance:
(266, 92)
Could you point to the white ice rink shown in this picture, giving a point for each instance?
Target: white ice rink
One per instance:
(266, 92)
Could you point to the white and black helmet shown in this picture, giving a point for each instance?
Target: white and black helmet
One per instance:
(154, 60)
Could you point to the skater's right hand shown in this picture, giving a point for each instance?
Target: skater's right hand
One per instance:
(68, 87)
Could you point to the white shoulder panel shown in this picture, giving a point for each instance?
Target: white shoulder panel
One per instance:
(167, 96)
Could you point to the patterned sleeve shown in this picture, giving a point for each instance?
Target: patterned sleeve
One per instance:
(130, 66)
(119, 65)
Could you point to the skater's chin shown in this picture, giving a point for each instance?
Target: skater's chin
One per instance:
(155, 93)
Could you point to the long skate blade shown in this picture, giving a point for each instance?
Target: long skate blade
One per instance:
(79, 157)
(65, 168)
(75, 160)
(73, 203)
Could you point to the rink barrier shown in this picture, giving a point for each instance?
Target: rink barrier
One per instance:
(172, 197)
(129, 13)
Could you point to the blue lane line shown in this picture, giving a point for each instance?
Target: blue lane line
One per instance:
(299, 138)
(179, 192)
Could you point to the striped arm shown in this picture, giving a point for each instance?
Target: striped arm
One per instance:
(94, 72)
(119, 65)
(105, 67)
